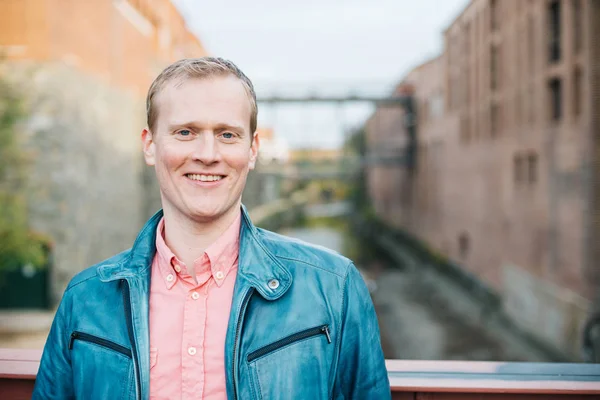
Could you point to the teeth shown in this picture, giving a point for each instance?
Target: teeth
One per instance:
(205, 178)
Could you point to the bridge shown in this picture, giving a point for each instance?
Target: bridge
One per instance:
(404, 100)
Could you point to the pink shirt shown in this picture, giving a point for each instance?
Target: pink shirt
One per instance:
(188, 321)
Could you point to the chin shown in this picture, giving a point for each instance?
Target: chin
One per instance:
(206, 214)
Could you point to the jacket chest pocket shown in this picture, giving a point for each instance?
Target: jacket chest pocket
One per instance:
(296, 366)
(102, 369)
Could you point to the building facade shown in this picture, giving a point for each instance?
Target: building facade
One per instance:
(84, 68)
(507, 177)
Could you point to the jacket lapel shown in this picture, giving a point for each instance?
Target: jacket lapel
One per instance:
(136, 270)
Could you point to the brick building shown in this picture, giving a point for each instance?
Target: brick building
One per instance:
(85, 68)
(507, 177)
(124, 42)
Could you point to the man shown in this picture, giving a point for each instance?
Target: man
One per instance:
(205, 305)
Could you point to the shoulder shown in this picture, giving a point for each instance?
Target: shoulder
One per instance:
(89, 276)
(288, 249)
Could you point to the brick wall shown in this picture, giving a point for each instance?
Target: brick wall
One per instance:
(503, 184)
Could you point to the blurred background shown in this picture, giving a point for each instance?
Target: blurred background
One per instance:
(449, 147)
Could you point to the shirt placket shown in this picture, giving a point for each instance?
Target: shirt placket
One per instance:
(194, 330)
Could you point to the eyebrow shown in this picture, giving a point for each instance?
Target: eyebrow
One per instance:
(217, 127)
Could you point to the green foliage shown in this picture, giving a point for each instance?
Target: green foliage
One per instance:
(356, 144)
(18, 246)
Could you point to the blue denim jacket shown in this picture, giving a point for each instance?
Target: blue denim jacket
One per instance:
(302, 326)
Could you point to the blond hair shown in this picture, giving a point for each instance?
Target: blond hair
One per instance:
(199, 68)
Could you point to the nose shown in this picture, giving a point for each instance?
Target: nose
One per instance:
(206, 149)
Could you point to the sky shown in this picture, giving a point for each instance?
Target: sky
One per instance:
(321, 47)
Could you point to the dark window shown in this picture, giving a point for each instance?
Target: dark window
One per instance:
(518, 169)
(493, 15)
(531, 104)
(554, 31)
(577, 91)
(532, 166)
(531, 43)
(463, 244)
(555, 96)
(577, 25)
(494, 120)
(494, 67)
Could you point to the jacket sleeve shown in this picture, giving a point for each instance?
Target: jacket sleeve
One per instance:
(361, 371)
(54, 377)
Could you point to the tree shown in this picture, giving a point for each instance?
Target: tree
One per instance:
(18, 245)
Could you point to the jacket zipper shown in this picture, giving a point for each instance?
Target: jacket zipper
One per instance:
(237, 336)
(318, 330)
(85, 337)
(129, 321)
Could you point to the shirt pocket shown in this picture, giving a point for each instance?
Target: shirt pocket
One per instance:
(153, 356)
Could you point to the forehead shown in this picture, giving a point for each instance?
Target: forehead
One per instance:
(218, 99)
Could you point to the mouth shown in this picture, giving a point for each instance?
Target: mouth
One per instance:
(205, 177)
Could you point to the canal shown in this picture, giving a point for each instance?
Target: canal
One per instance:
(422, 314)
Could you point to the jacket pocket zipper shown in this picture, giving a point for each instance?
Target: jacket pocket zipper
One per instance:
(318, 330)
(85, 337)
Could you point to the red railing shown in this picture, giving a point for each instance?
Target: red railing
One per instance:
(414, 380)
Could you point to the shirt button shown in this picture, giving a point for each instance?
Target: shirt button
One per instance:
(220, 275)
(273, 284)
(195, 296)
(191, 351)
(170, 278)
(177, 268)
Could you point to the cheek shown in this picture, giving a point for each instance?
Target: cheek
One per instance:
(238, 160)
(171, 157)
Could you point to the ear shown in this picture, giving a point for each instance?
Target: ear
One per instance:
(254, 150)
(149, 147)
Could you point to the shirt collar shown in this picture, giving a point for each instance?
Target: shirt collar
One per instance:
(222, 254)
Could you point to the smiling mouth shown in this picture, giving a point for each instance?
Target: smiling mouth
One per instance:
(205, 178)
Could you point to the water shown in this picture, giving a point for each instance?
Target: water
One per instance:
(422, 315)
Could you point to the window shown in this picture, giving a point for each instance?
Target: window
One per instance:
(518, 172)
(577, 91)
(554, 31)
(531, 103)
(555, 97)
(531, 44)
(493, 15)
(525, 168)
(463, 244)
(532, 168)
(494, 120)
(494, 67)
(577, 25)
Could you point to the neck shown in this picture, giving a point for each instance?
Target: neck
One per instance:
(189, 239)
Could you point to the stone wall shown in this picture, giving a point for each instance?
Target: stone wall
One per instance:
(85, 186)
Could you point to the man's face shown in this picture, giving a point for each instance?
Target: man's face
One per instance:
(201, 146)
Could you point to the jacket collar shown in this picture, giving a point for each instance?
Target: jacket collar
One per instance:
(257, 267)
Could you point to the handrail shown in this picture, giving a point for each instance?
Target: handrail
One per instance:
(406, 376)
(493, 377)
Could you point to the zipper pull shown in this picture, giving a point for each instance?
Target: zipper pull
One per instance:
(73, 337)
(325, 330)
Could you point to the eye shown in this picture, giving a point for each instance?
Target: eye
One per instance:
(227, 135)
(184, 132)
